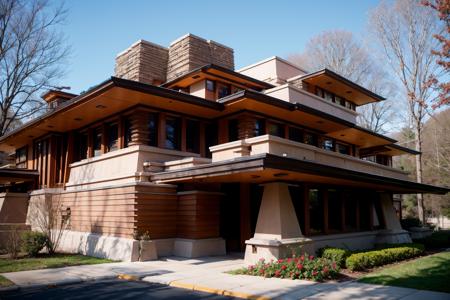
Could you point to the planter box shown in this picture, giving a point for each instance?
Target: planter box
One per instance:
(147, 251)
(420, 232)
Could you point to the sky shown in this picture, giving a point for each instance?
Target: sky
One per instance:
(97, 30)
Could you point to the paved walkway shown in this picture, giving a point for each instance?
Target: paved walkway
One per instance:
(207, 274)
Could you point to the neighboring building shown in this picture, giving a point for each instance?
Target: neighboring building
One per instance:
(211, 160)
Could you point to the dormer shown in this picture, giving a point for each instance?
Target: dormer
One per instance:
(54, 98)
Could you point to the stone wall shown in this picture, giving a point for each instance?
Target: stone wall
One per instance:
(144, 62)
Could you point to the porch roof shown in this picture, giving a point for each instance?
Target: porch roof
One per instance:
(265, 168)
(11, 175)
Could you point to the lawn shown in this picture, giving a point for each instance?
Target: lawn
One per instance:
(5, 282)
(45, 261)
(426, 273)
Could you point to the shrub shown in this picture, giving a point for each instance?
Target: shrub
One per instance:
(410, 222)
(13, 243)
(370, 259)
(33, 242)
(437, 240)
(335, 254)
(301, 267)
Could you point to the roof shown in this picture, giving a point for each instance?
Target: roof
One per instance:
(10, 175)
(227, 171)
(207, 69)
(327, 75)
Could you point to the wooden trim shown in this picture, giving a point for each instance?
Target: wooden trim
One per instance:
(121, 132)
(90, 151)
(104, 146)
(69, 156)
(162, 130)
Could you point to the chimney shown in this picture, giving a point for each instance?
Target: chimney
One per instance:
(144, 62)
(190, 52)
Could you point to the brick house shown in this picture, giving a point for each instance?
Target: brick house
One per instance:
(210, 160)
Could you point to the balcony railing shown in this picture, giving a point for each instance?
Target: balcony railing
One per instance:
(287, 148)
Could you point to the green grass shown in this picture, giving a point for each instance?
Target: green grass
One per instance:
(426, 273)
(5, 282)
(47, 261)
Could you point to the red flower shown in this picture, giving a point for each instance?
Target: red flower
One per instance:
(283, 267)
(300, 267)
(314, 273)
(289, 260)
(311, 257)
(302, 258)
(277, 273)
(261, 271)
(325, 270)
(280, 261)
(334, 265)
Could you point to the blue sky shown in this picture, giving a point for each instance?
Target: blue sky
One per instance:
(98, 29)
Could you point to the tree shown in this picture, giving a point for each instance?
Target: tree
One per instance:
(341, 52)
(442, 7)
(404, 30)
(31, 55)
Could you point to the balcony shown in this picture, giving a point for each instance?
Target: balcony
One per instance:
(293, 94)
(287, 148)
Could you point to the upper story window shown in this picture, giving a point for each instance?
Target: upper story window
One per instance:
(173, 133)
(83, 145)
(113, 136)
(223, 90)
(192, 136)
(295, 134)
(327, 144)
(276, 129)
(329, 96)
(310, 138)
(260, 127)
(152, 127)
(233, 130)
(97, 139)
(210, 85)
(343, 149)
(21, 158)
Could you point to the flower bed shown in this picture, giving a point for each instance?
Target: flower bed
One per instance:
(301, 267)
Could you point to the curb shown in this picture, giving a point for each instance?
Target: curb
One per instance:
(9, 288)
(199, 288)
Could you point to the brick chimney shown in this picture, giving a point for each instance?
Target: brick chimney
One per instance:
(154, 64)
(144, 62)
(190, 52)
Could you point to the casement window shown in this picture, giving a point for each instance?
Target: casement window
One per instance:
(276, 129)
(316, 213)
(83, 145)
(21, 158)
(173, 133)
(223, 90)
(127, 132)
(327, 144)
(310, 138)
(152, 127)
(211, 138)
(334, 210)
(295, 134)
(343, 149)
(192, 136)
(113, 137)
(233, 130)
(319, 92)
(260, 127)
(97, 141)
(328, 96)
(210, 85)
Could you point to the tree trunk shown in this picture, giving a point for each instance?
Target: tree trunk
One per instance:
(420, 206)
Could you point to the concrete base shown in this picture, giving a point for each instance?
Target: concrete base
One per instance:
(393, 237)
(350, 241)
(274, 249)
(197, 248)
(147, 251)
(420, 232)
(97, 245)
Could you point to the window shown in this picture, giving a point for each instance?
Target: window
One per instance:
(113, 136)
(348, 104)
(350, 206)
(260, 127)
(343, 149)
(223, 91)
(152, 127)
(192, 136)
(334, 210)
(127, 132)
(295, 134)
(21, 158)
(328, 144)
(319, 92)
(310, 138)
(98, 136)
(328, 96)
(173, 133)
(233, 130)
(83, 145)
(210, 137)
(210, 85)
(315, 211)
(276, 129)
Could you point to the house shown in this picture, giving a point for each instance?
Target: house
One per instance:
(209, 160)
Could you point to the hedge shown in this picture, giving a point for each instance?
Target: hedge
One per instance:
(337, 255)
(370, 259)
